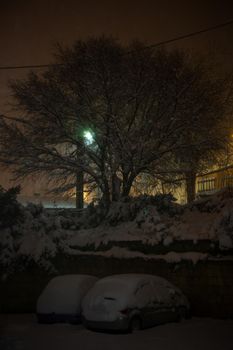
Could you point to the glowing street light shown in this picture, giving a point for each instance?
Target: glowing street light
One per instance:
(88, 137)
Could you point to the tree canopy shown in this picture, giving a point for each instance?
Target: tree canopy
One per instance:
(141, 109)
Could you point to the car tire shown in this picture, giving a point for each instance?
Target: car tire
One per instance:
(45, 320)
(181, 314)
(135, 324)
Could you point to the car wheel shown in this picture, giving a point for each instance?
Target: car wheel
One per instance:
(182, 314)
(135, 324)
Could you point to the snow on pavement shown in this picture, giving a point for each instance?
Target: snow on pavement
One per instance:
(21, 332)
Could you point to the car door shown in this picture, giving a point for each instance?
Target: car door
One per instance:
(145, 299)
(164, 310)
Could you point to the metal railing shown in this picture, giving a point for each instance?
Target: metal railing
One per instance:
(206, 185)
(214, 184)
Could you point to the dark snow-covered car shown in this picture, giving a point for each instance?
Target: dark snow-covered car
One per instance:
(131, 302)
(60, 301)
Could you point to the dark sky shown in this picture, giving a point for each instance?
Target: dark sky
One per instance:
(29, 28)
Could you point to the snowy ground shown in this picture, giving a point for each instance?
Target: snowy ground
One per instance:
(21, 332)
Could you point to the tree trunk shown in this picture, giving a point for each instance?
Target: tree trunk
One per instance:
(79, 190)
(127, 184)
(190, 186)
(106, 198)
(116, 187)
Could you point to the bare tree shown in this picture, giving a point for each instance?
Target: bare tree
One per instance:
(208, 138)
(135, 103)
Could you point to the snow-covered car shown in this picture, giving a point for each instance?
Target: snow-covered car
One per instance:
(132, 302)
(60, 301)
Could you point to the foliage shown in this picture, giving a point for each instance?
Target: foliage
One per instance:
(207, 139)
(163, 202)
(131, 208)
(10, 209)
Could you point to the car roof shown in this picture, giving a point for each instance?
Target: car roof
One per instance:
(133, 278)
(78, 278)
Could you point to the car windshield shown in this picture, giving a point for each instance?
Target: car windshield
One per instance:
(113, 289)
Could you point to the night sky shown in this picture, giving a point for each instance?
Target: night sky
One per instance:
(29, 28)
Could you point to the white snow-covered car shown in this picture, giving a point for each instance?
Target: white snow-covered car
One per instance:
(131, 302)
(60, 301)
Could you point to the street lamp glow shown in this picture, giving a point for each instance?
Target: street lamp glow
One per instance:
(88, 136)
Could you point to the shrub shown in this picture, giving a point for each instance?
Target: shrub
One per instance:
(10, 209)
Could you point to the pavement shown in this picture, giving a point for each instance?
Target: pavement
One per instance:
(22, 332)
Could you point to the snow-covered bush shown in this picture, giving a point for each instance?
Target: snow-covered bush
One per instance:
(225, 241)
(142, 208)
(40, 234)
(92, 216)
(37, 237)
(212, 203)
(122, 211)
(10, 209)
(165, 203)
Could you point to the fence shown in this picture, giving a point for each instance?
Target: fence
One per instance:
(214, 184)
